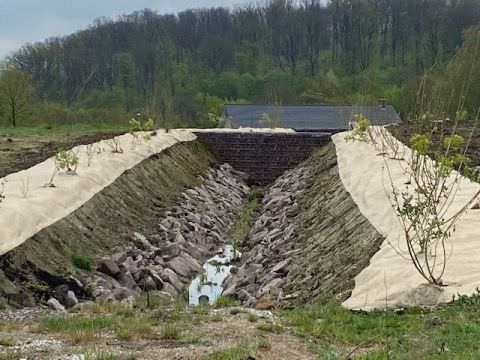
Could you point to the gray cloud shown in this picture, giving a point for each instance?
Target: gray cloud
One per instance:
(23, 21)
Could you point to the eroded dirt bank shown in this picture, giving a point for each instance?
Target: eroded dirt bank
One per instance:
(132, 203)
(309, 240)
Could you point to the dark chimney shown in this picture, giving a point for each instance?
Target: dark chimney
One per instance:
(382, 103)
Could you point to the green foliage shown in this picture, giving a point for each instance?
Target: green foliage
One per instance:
(241, 351)
(66, 161)
(270, 327)
(82, 262)
(135, 125)
(420, 143)
(16, 91)
(170, 332)
(148, 126)
(225, 301)
(453, 142)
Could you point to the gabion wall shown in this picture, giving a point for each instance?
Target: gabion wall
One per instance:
(264, 156)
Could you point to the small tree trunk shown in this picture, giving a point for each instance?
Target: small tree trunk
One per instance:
(14, 114)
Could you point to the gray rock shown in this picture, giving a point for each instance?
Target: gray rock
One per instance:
(184, 265)
(54, 304)
(168, 275)
(70, 300)
(282, 266)
(122, 293)
(119, 257)
(126, 280)
(108, 266)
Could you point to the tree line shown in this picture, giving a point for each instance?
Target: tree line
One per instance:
(181, 68)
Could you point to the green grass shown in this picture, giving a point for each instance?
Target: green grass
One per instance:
(100, 355)
(7, 342)
(171, 332)
(409, 335)
(238, 352)
(242, 225)
(78, 128)
(273, 328)
(82, 262)
(226, 301)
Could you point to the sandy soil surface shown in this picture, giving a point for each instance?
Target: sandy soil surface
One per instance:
(20, 152)
(390, 279)
(30, 204)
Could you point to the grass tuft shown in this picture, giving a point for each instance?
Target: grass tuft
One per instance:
(82, 262)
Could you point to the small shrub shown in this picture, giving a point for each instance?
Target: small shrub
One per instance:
(148, 126)
(82, 262)
(252, 318)
(263, 343)
(225, 301)
(66, 161)
(170, 332)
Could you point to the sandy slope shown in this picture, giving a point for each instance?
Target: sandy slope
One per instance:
(22, 216)
(391, 279)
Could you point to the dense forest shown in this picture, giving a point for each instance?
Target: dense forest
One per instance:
(180, 69)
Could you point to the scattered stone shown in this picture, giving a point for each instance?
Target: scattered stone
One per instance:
(54, 304)
(70, 300)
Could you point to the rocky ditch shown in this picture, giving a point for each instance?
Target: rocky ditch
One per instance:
(165, 262)
(309, 240)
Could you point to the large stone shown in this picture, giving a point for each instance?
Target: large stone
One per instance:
(122, 293)
(168, 275)
(108, 266)
(126, 279)
(54, 304)
(271, 288)
(184, 265)
(70, 300)
(141, 242)
(282, 266)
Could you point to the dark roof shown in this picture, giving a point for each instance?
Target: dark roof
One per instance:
(312, 117)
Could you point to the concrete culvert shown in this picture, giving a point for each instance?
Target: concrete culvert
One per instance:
(203, 300)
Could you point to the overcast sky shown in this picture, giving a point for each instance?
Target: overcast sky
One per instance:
(23, 21)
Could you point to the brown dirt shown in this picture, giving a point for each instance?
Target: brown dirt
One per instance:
(132, 203)
(20, 152)
(403, 132)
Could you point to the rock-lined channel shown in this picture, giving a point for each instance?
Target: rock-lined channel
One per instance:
(187, 235)
(207, 287)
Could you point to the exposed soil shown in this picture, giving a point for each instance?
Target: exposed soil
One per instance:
(132, 203)
(215, 331)
(403, 132)
(21, 152)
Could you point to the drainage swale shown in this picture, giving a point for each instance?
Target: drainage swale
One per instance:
(206, 288)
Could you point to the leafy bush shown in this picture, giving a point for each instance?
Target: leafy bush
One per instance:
(66, 161)
(82, 262)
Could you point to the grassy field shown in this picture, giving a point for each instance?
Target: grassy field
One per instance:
(54, 130)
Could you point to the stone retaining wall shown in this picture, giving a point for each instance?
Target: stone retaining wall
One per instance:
(264, 156)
